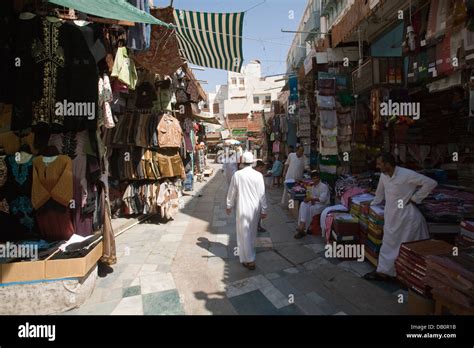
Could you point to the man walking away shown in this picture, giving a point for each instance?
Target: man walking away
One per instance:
(230, 166)
(247, 193)
(403, 221)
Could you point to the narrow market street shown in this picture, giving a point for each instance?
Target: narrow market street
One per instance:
(188, 266)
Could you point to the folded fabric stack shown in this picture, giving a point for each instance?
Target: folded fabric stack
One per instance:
(452, 278)
(448, 205)
(411, 264)
(326, 100)
(375, 223)
(360, 206)
(345, 228)
(466, 238)
(466, 174)
(298, 192)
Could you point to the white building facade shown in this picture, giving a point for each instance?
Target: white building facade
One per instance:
(248, 91)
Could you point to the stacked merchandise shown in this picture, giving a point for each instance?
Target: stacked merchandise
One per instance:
(360, 207)
(466, 174)
(327, 130)
(374, 233)
(345, 228)
(304, 129)
(452, 280)
(448, 205)
(411, 264)
(466, 238)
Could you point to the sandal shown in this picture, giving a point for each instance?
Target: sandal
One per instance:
(299, 234)
(249, 265)
(374, 276)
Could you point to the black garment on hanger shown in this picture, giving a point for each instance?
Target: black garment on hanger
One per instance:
(82, 72)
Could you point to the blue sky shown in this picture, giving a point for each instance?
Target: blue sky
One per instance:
(263, 38)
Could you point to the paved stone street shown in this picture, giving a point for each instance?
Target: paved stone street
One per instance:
(188, 266)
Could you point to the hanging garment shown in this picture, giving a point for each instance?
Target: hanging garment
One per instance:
(328, 132)
(52, 181)
(146, 95)
(23, 88)
(85, 50)
(327, 87)
(52, 192)
(344, 119)
(105, 116)
(11, 142)
(276, 146)
(171, 166)
(50, 49)
(328, 118)
(138, 36)
(326, 102)
(247, 194)
(17, 191)
(344, 130)
(283, 125)
(328, 141)
(169, 132)
(124, 68)
(308, 211)
(401, 224)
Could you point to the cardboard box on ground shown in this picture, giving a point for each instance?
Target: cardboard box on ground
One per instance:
(50, 269)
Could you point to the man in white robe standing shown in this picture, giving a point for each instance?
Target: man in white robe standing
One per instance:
(230, 165)
(294, 169)
(403, 222)
(247, 193)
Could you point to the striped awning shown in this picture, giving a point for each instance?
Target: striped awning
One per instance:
(212, 40)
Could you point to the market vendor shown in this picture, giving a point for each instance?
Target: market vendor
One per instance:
(403, 221)
(294, 168)
(314, 203)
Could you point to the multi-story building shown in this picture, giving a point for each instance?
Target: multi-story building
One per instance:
(308, 29)
(249, 91)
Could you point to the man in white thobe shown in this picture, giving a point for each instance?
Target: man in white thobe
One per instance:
(230, 165)
(403, 222)
(247, 192)
(294, 169)
(313, 205)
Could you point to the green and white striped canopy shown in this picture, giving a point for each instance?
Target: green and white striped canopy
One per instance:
(212, 40)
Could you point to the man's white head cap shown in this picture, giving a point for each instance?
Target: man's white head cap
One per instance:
(247, 157)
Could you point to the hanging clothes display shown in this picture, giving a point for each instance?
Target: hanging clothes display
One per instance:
(19, 177)
(124, 68)
(51, 195)
(50, 48)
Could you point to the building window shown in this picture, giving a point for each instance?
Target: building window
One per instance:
(241, 81)
(256, 100)
(215, 108)
(234, 80)
(268, 99)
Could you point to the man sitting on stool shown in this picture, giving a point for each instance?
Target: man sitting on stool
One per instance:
(313, 205)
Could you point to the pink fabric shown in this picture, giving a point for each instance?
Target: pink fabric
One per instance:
(329, 221)
(349, 193)
(276, 146)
